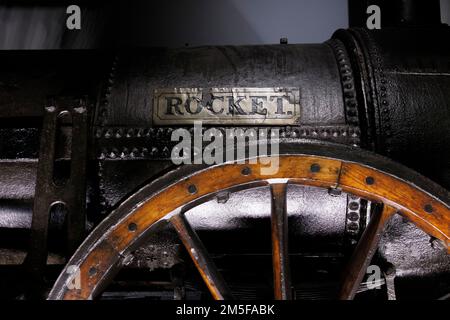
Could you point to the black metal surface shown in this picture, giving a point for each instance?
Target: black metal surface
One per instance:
(137, 73)
(387, 91)
(405, 85)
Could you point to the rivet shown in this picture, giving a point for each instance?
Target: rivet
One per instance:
(428, 208)
(353, 205)
(370, 181)
(353, 216)
(132, 227)
(246, 171)
(192, 189)
(315, 167)
(353, 226)
(92, 271)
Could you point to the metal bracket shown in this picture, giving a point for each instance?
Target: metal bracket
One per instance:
(71, 114)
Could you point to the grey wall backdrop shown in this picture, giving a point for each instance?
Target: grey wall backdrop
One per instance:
(176, 23)
(445, 11)
(205, 22)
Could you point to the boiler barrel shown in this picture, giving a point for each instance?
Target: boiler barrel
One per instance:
(386, 90)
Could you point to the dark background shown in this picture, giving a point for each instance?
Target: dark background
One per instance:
(42, 24)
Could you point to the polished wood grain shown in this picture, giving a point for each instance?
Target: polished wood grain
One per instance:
(199, 255)
(404, 197)
(280, 254)
(364, 251)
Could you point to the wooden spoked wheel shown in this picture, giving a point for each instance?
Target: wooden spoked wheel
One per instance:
(396, 188)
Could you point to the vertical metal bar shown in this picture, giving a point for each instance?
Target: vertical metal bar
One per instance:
(364, 251)
(280, 255)
(72, 194)
(76, 195)
(36, 258)
(205, 265)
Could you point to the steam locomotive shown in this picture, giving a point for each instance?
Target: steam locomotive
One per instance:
(92, 205)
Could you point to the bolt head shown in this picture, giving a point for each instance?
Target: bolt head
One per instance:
(315, 168)
(246, 171)
(428, 208)
(192, 189)
(132, 227)
(92, 271)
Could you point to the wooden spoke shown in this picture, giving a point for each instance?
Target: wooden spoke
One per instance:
(325, 166)
(364, 251)
(208, 270)
(280, 256)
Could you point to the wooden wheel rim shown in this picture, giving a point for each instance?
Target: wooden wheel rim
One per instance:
(348, 169)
